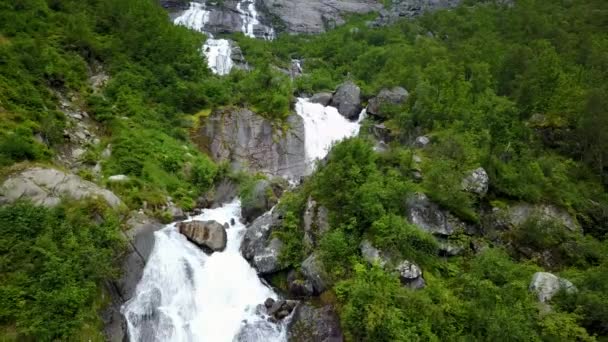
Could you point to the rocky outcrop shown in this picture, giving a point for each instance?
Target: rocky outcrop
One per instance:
(46, 187)
(315, 16)
(476, 182)
(314, 271)
(263, 196)
(410, 275)
(547, 285)
(381, 133)
(298, 286)
(430, 217)
(501, 218)
(316, 223)
(387, 97)
(399, 9)
(140, 239)
(347, 99)
(209, 235)
(259, 247)
(311, 324)
(249, 142)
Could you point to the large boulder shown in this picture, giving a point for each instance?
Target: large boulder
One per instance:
(347, 99)
(46, 187)
(410, 275)
(316, 223)
(546, 285)
(476, 181)
(430, 217)
(311, 324)
(209, 235)
(250, 142)
(259, 247)
(395, 96)
(314, 271)
(315, 16)
(322, 98)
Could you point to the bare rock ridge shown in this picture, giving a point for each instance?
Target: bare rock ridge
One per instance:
(250, 142)
(303, 16)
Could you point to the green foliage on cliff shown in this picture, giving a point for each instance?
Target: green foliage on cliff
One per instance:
(53, 261)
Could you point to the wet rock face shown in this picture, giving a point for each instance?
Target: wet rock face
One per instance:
(314, 324)
(321, 98)
(316, 223)
(259, 247)
(298, 286)
(347, 99)
(279, 309)
(46, 187)
(249, 142)
(140, 239)
(209, 235)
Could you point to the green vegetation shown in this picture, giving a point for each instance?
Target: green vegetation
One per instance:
(53, 261)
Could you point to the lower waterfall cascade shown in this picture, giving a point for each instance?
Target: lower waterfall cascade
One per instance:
(185, 295)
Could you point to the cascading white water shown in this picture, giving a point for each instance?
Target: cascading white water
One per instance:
(186, 295)
(249, 17)
(196, 17)
(323, 127)
(218, 53)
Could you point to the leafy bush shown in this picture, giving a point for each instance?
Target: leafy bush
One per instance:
(54, 261)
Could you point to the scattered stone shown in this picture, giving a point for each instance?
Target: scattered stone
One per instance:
(232, 221)
(209, 235)
(281, 308)
(381, 132)
(347, 99)
(118, 178)
(410, 275)
(477, 182)
(268, 303)
(422, 141)
(547, 285)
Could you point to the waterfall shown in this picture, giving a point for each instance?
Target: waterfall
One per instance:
(196, 17)
(249, 17)
(218, 52)
(323, 127)
(186, 295)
